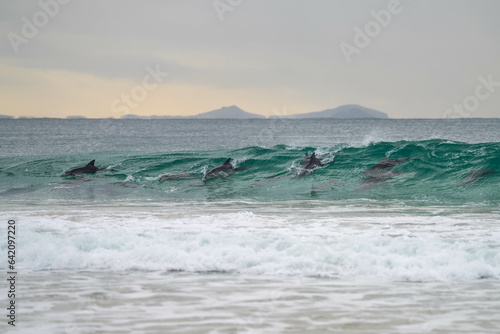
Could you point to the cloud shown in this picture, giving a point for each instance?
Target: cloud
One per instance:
(288, 51)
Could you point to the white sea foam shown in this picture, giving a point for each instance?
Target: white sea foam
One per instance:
(129, 178)
(328, 241)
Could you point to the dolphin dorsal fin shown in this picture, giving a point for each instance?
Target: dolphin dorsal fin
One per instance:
(91, 163)
(313, 156)
(228, 161)
(307, 155)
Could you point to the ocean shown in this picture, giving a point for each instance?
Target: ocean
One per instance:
(410, 246)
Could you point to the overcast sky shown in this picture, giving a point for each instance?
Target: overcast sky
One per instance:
(410, 59)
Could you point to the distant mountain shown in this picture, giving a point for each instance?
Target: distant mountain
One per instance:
(345, 111)
(132, 116)
(76, 117)
(225, 112)
(228, 112)
(234, 112)
(6, 116)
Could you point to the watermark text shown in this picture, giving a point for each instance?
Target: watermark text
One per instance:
(31, 27)
(11, 273)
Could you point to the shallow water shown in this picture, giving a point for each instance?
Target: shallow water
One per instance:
(145, 302)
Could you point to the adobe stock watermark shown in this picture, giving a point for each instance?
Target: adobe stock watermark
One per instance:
(223, 6)
(139, 93)
(363, 37)
(267, 134)
(30, 29)
(471, 103)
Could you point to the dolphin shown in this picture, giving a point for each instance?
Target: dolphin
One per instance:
(476, 175)
(268, 180)
(313, 162)
(381, 172)
(383, 166)
(176, 176)
(88, 169)
(221, 170)
(310, 165)
(377, 179)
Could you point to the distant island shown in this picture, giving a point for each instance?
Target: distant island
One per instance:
(234, 112)
(348, 111)
(345, 111)
(228, 112)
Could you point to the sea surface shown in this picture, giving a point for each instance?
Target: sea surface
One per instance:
(413, 247)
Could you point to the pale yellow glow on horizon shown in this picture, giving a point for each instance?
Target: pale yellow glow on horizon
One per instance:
(58, 94)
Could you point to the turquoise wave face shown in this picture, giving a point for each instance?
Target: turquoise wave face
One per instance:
(437, 172)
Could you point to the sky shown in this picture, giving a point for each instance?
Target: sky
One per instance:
(94, 58)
